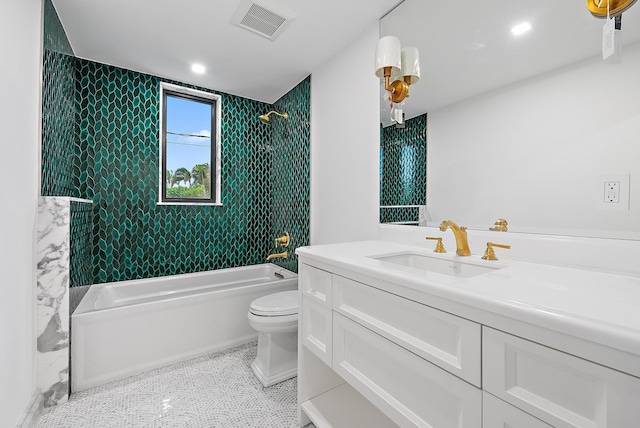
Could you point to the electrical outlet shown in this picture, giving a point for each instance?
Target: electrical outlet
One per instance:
(612, 192)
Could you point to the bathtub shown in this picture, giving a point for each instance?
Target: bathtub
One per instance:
(125, 328)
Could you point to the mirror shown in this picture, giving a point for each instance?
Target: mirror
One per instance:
(528, 128)
(403, 172)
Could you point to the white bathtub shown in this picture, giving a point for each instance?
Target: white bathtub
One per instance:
(125, 328)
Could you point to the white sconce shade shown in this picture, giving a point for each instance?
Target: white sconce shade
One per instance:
(410, 65)
(388, 55)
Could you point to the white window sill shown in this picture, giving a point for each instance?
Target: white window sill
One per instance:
(201, 204)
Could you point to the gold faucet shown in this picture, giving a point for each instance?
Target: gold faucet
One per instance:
(283, 240)
(460, 232)
(500, 225)
(282, 255)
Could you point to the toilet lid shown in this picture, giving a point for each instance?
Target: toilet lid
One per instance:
(282, 303)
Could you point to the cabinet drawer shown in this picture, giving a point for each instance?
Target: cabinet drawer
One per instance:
(316, 328)
(498, 414)
(316, 283)
(446, 340)
(560, 389)
(409, 390)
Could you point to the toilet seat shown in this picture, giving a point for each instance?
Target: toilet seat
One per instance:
(275, 305)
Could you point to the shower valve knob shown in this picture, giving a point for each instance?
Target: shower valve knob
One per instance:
(283, 240)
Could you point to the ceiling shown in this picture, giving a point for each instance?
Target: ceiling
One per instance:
(164, 37)
(468, 49)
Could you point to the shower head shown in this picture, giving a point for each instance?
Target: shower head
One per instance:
(266, 119)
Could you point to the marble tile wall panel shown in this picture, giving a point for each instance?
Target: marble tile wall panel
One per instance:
(52, 299)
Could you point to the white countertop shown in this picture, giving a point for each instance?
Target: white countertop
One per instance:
(597, 307)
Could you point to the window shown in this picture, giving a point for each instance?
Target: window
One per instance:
(189, 146)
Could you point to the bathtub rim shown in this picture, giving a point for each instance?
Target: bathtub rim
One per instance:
(87, 304)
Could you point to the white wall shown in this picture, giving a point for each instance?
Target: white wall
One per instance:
(20, 41)
(531, 152)
(345, 144)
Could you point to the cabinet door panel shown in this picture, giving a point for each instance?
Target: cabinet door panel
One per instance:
(409, 390)
(316, 328)
(316, 283)
(498, 414)
(561, 389)
(446, 340)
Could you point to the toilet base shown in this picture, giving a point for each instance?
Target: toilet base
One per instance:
(277, 358)
(267, 381)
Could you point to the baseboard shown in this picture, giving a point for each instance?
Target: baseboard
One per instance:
(32, 413)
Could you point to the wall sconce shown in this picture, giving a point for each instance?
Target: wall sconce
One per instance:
(604, 8)
(401, 64)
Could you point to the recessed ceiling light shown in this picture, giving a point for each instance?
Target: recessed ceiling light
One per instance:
(521, 28)
(197, 68)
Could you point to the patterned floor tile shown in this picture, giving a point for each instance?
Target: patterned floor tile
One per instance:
(218, 390)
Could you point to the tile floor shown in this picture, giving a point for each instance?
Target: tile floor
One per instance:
(217, 390)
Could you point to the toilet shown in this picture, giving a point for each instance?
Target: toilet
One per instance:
(275, 317)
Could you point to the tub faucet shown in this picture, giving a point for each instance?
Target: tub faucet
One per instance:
(460, 232)
(276, 256)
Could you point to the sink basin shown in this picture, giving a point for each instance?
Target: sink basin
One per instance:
(433, 264)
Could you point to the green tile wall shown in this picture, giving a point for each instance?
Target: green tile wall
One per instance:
(100, 142)
(81, 225)
(399, 215)
(59, 128)
(59, 131)
(117, 167)
(403, 169)
(59, 140)
(288, 178)
(55, 39)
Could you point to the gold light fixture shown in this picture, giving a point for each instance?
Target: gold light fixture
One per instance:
(401, 64)
(266, 119)
(598, 8)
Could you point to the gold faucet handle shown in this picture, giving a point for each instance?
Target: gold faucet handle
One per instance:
(490, 254)
(439, 246)
(500, 225)
(283, 240)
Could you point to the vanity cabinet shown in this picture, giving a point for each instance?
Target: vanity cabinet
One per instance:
(317, 287)
(416, 365)
(450, 342)
(561, 389)
(409, 390)
(369, 350)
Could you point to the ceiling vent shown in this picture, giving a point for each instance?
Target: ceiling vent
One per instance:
(262, 17)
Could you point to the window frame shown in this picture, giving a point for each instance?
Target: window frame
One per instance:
(215, 100)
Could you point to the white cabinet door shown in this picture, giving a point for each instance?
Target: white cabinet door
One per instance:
(316, 283)
(498, 414)
(446, 340)
(409, 390)
(316, 328)
(561, 389)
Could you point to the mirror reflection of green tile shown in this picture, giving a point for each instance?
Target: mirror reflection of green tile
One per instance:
(403, 171)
